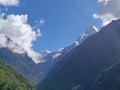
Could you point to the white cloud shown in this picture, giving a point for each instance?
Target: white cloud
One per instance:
(39, 32)
(109, 10)
(22, 35)
(9, 2)
(42, 21)
(6, 42)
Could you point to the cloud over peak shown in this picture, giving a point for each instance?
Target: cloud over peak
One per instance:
(9, 2)
(109, 10)
(22, 35)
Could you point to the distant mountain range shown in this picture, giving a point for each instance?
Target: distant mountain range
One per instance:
(52, 57)
(92, 65)
(36, 72)
(92, 62)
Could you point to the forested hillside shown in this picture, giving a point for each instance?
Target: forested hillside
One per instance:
(11, 80)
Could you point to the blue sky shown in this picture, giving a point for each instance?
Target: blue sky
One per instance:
(34, 26)
(64, 20)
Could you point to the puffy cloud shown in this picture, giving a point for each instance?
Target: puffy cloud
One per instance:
(109, 10)
(9, 2)
(7, 42)
(21, 34)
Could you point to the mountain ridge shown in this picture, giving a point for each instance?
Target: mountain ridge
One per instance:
(84, 63)
(51, 58)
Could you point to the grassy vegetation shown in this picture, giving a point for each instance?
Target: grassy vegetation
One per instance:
(11, 80)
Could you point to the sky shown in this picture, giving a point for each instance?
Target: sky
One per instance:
(64, 20)
(51, 24)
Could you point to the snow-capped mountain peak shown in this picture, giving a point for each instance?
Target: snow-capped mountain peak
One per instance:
(55, 54)
(51, 58)
(91, 30)
(44, 53)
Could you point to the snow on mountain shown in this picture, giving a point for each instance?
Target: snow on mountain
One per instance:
(89, 31)
(44, 53)
(51, 58)
(56, 55)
